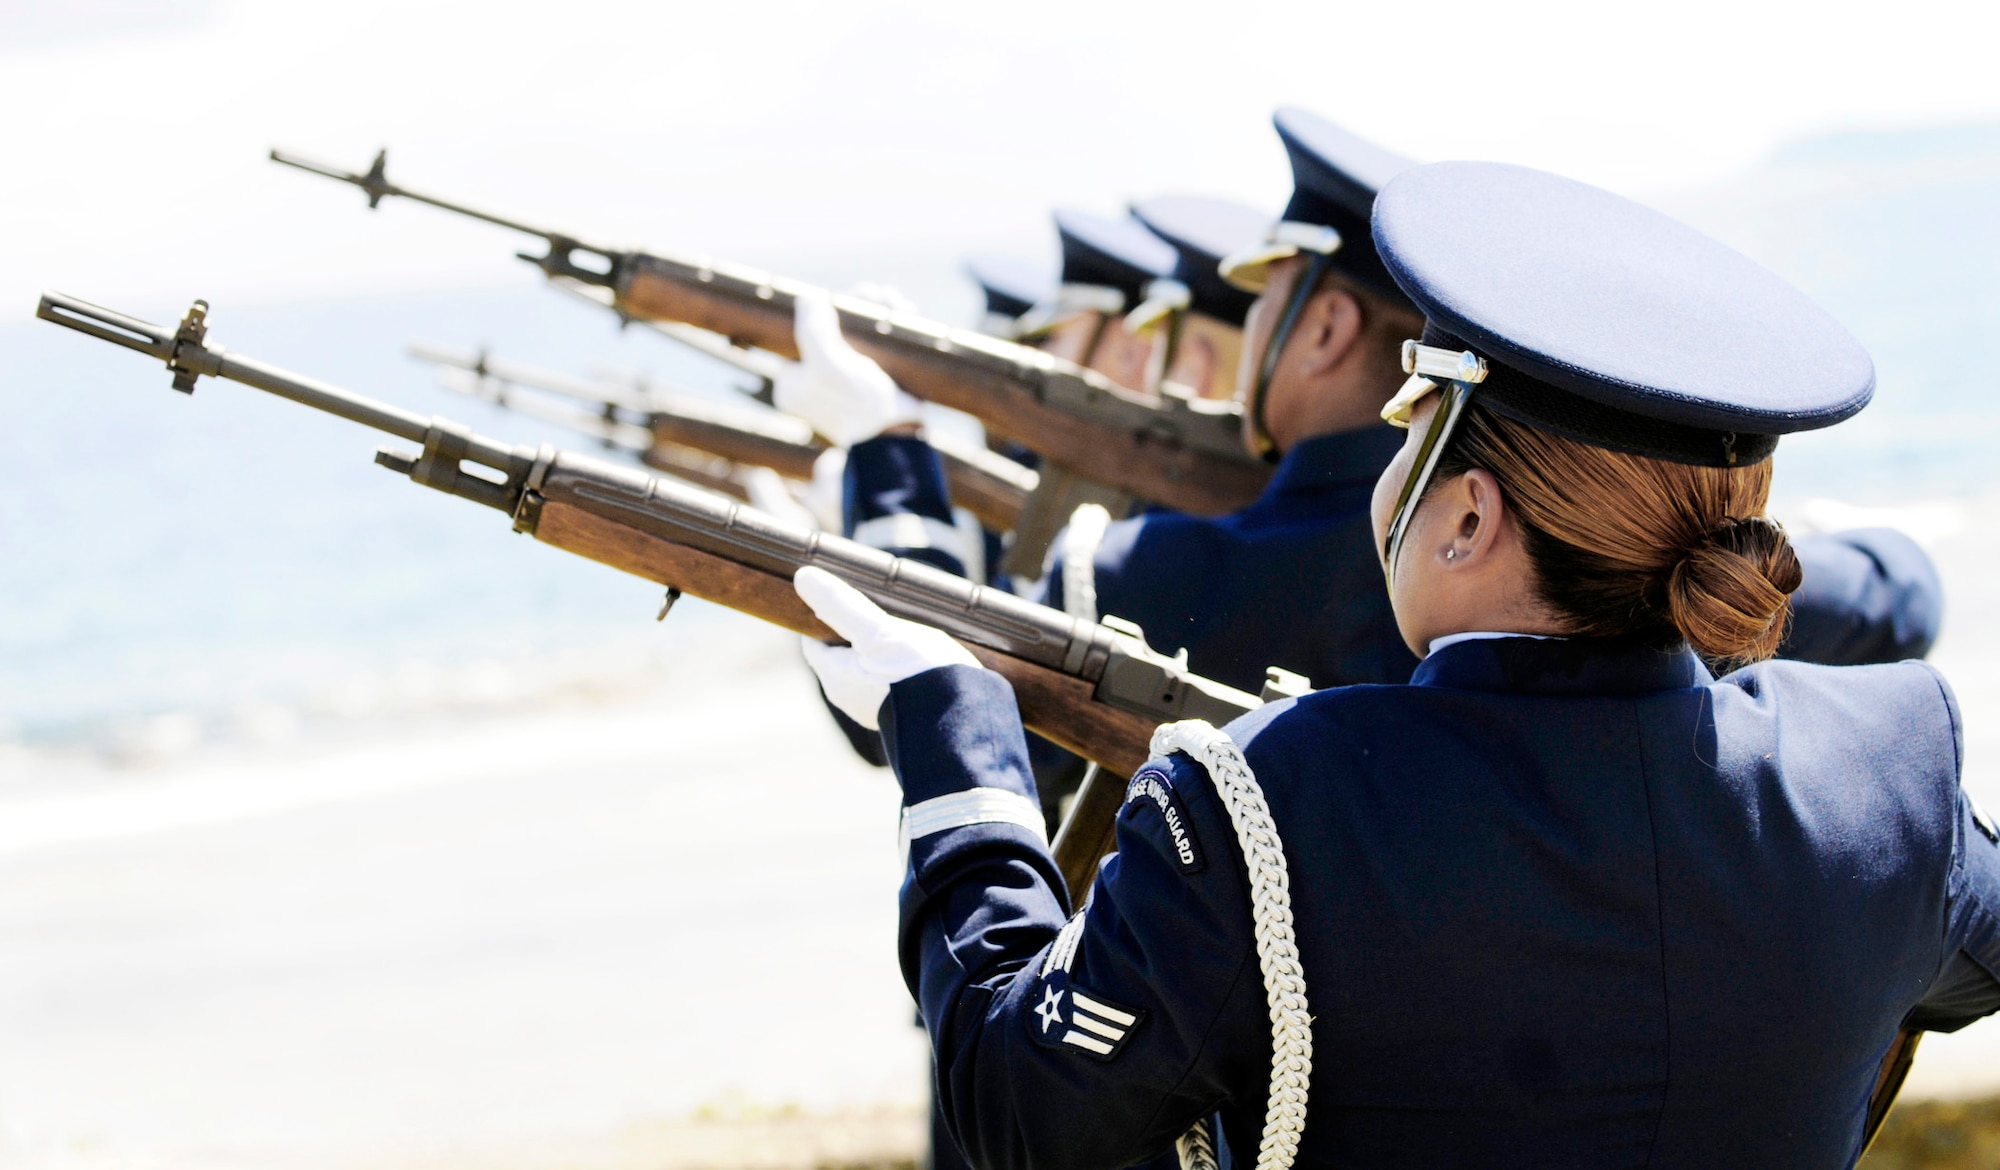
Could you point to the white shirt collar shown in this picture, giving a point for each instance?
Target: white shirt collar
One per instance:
(1438, 644)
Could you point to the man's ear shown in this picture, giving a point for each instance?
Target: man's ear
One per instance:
(1329, 328)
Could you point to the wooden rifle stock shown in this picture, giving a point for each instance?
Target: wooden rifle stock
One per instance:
(1057, 706)
(1889, 1083)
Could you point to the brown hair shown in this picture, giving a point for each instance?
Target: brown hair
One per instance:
(1627, 546)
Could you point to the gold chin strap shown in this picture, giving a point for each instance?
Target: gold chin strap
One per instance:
(1426, 364)
(1164, 298)
(1249, 268)
(1164, 314)
(1274, 349)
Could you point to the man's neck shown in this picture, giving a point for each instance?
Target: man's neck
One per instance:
(1340, 408)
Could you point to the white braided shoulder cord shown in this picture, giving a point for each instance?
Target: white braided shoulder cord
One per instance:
(1277, 945)
(1080, 541)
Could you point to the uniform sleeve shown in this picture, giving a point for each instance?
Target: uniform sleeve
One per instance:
(894, 497)
(1087, 1043)
(1869, 595)
(1967, 986)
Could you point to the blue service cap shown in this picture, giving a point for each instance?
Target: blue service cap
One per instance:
(1012, 286)
(1335, 176)
(1201, 232)
(1571, 309)
(1111, 253)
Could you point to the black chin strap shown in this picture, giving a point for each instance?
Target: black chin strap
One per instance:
(1274, 347)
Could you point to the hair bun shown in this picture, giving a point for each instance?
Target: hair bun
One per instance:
(1728, 594)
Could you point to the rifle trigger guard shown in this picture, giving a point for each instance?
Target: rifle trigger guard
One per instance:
(445, 444)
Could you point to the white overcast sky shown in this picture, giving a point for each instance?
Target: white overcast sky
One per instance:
(135, 130)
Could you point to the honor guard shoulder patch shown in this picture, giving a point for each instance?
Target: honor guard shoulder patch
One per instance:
(1155, 789)
(1071, 1017)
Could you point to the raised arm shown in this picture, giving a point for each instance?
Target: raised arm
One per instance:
(1086, 1044)
(1870, 595)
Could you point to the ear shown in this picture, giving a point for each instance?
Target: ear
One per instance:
(1479, 517)
(1329, 328)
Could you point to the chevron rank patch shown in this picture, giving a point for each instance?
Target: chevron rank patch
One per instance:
(1071, 1017)
(1153, 788)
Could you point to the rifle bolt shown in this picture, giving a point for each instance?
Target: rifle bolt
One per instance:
(667, 606)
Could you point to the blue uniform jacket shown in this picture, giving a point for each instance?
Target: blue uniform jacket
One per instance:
(1558, 904)
(1294, 579)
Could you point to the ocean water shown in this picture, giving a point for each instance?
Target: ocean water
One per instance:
(179, 571)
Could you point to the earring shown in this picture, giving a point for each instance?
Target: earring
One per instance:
(1451, 554)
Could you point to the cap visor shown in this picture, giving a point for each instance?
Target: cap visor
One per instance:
(1249, 269)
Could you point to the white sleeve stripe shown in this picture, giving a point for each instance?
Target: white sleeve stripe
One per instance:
(1097, 1009)
(1062, 952)
(974, 806)
(1082, 1041)
(909, 530)
(1098, 1026)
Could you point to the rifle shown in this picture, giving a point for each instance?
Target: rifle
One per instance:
(687, 436)
(1186, 454)
(1095, 689)
(610, 423)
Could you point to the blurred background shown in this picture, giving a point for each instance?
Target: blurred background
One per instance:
(341, 827)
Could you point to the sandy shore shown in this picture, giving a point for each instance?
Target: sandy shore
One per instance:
(529, 939)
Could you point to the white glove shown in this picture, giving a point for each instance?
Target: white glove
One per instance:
(881, 650)
(840, 393)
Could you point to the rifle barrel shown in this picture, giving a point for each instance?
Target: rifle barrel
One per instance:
(599, 266)
(193, 355)
(379, 188)
(611, 432)
(488, 368)
(756, 363)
